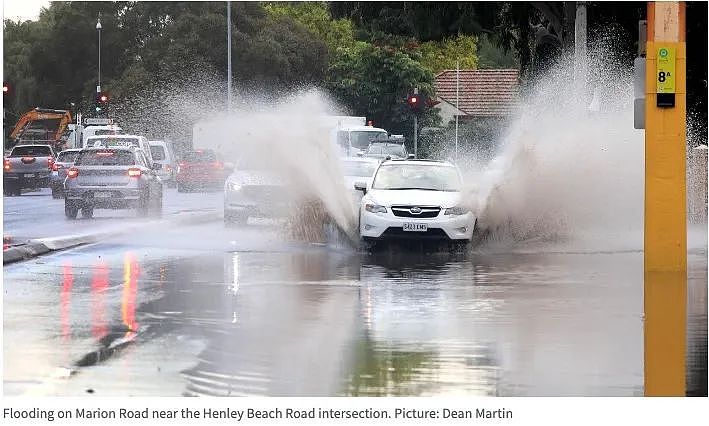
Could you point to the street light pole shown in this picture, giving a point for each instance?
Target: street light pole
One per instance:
(228, 53)
(98, 28)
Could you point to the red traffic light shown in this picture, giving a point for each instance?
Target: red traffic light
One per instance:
(103, 98)
(413, 99)
(5, 88)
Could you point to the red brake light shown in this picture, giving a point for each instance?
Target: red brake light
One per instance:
(56, 167)
(50, 163)
(134, 172)
(72, 173)
(105, 153)
(6, 165)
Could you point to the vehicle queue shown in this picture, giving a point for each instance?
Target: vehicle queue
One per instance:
(396, 195)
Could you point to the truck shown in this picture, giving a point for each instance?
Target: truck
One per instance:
(42, 126)
(28, 166)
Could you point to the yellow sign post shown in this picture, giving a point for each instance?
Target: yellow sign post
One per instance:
(665, 253)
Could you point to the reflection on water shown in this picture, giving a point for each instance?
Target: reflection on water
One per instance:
(99, 285)
(317, 322)
(65, 300)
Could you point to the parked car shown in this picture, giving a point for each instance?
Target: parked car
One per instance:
(27, 167)
(162, 153)
(112, 178)
(201, 169)
(415, 199)
(62, 163)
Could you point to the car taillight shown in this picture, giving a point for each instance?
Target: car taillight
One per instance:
(134, 172)
(50, 163)
(6, 165)
(56, 167)
(72, 173)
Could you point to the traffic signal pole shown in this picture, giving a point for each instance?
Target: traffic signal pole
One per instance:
(416, 129)
(665, 246)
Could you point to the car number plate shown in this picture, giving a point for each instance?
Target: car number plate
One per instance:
(415, 227)
(29, 174)
(102, 194)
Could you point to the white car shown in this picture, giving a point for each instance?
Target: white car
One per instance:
(162, 153)
(419, 199)
(358, 169)
(255, 190)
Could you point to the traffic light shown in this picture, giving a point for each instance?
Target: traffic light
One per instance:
(102, 101)
(5, 89)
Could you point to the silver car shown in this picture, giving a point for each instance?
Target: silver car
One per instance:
(112, 178)
(62, 163)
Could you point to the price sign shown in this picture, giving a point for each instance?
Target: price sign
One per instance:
(665, 69)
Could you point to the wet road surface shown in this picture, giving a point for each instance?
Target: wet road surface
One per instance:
(204, 310)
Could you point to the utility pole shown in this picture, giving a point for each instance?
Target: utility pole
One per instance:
(580, 53)
(416, 129)
(98, 28)
(457, 96)
(665, 254)
(228, 54)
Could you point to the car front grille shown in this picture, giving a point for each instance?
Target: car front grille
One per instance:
(430, 234)
(419, 212)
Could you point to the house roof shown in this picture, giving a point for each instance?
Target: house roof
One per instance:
(482, 92)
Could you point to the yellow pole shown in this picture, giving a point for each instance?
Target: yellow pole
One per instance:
(665, 301)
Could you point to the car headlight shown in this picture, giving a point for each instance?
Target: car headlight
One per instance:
(233, 186)
(457, 211)
(375, 208)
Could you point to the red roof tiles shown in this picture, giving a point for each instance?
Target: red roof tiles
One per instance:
(482, 92)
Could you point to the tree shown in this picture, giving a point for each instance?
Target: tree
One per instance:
(375, 82)
(446, 54)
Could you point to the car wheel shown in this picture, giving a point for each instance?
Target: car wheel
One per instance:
(6, 190)
(70, 209)
(158, 205)
(87, 212)
(235, 218)
(57, 194)
(143, 205)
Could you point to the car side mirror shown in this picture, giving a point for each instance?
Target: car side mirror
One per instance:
(361, 186)
(156, 166)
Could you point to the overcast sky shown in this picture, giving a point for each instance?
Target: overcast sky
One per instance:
(22, 9)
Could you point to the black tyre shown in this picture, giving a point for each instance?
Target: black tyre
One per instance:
(71, 210)
(157, 208)
(87, 212)
(143, 205)
(235, 218)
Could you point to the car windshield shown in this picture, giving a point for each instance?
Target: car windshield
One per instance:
(114, 142)
(362, 139)
(157, 152)
(359, 168)
(31, 151)
(387, 149)
(430, 177)
(105, 157)
(67, 156)
(199, 157)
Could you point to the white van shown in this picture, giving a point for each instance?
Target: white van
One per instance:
(89, 131)
(162, 153)
(121, 140)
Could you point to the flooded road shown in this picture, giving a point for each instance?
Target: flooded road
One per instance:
(205, 310)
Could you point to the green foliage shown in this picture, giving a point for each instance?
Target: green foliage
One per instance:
(316, 18)
(441, 55)
(491, 56)
(375, 82)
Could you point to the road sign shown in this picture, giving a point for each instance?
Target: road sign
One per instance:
(98, 121)
(665, 69)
